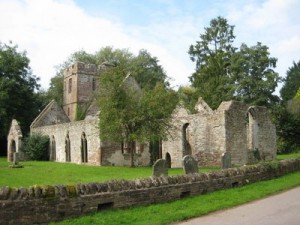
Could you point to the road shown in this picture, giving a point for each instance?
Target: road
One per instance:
(280, 209)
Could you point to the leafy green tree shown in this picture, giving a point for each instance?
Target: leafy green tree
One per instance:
(293, 105)
(291, 82)
(254, 76)
(146, 70)
(129, 113)
(212, 55)
(17, 90)
(36, 147)
(188, 96)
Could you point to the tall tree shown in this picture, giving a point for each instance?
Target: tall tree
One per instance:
(291, 83)
(18, 99)
(146, 70)
(254, 76)
(212, 55)
(129, 113)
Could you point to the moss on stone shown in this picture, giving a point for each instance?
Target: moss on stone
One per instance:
(71, 189)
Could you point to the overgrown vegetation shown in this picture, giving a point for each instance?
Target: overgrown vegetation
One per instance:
(36, 147)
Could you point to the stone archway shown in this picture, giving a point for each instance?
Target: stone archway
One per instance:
(52, 149)
(186, 148)
(68, 148)
(84, 149)
(12, 150)
(168, 160)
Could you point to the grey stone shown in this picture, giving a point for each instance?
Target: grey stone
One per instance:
(160, 168)
(16, 159)
(190, 164)
(226, 160)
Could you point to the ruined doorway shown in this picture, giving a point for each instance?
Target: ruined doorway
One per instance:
(84, 149)
(68, 148)
(12, 150)
(186, 147)
(168, 160)
(52, 149)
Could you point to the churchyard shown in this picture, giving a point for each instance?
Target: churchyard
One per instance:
(42, 174)
(47, 173)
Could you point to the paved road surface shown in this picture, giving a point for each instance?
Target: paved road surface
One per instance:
(281, 209)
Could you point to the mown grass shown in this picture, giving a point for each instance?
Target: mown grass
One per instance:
(46, 173)
(167, 213)
(288, 156)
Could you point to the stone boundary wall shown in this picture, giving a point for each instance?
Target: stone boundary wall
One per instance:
(42, 204)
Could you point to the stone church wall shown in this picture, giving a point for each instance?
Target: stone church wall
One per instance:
(234, 127)
(74, 130)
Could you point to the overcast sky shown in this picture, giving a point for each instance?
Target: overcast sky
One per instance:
(50, 30)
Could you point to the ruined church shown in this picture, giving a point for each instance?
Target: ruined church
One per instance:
(246, 133)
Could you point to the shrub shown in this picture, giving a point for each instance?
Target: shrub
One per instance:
(36, 147)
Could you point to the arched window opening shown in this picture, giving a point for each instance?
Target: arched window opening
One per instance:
(84, 149)
(68, 148)
(52, 149)
(168, 160)
(186, 147)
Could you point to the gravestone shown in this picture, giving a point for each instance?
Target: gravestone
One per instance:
(16, 161)
(190, 164)
(226, 160)
(160, 168)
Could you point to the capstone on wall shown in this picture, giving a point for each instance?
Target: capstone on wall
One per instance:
(247, 133)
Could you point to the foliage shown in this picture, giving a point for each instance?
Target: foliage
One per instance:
(291, 83)
(293, 105)
(181, 210)
(18, 99)
(224, 72)
(287, 128)
(254, 75)
(188, 96)
(128, 113)
(212, 55)
(36, 147)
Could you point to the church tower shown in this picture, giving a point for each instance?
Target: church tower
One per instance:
(80, 81)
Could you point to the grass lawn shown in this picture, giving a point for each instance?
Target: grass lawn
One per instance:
(288, 156)
(43, 173)
(183, 209)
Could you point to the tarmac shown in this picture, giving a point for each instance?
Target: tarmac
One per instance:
(279, 209)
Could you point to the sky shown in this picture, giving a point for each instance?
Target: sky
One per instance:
(51, 30)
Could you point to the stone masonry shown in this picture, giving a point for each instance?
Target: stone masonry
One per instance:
(236, 128)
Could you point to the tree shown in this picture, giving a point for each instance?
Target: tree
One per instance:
(145, 69)
(129, 113)
(291, 82)
(18, 99)
(254, 76)
(212, 55)
(293, 105)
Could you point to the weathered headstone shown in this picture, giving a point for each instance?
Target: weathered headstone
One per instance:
(190, 164)
(226, 160)
(160, 168)
(16, 161)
